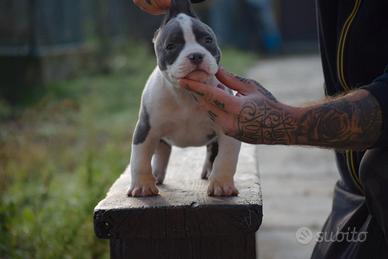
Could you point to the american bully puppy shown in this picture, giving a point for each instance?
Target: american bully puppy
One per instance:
(171, 116)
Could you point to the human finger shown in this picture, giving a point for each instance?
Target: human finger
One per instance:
(154, 7)
(162, 4)
(212, 95)
(224, 119)
(244, 86)
(240, 84)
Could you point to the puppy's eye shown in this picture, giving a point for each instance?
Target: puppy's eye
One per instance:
(208, 40)
(170, 46)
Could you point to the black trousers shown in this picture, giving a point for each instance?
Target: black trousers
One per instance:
(357, 226)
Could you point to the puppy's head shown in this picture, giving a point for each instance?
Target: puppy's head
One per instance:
(184, 45)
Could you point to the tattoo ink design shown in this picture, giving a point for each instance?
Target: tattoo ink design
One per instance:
(353, 123)
(259, 88)
(342, 124)
(195, 98)
(326, 124)
(219, 104)
(212, 116)
(265, 92)
(264, 123)
(243, 80)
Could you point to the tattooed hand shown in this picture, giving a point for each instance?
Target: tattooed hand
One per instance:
(253, 115)
(154, 7)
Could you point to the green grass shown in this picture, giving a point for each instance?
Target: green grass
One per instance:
(60, 153)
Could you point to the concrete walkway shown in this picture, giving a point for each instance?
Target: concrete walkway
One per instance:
(297, 182)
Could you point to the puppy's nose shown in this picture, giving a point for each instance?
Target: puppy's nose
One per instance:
(195, 58)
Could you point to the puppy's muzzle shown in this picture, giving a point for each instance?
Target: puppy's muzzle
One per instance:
(196, 58)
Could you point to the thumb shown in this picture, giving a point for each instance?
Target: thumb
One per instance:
(234, 82)
(162, 4)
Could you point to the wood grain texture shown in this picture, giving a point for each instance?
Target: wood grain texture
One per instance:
(183, 209)
(223, 247)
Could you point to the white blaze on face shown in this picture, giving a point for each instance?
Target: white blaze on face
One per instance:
(182, 65)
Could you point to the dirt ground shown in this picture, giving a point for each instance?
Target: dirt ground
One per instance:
(297, 182)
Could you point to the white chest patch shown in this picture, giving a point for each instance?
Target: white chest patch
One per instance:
(192, 130)
(184, 123)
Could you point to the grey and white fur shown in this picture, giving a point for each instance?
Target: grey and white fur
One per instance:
(170, 115)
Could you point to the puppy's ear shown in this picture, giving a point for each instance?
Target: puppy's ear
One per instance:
(155, 35)
(177, 7)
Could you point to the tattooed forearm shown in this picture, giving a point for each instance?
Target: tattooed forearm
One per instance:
(265, 123)
(349, 122)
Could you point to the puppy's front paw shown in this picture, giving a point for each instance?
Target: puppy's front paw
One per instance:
(221, 188)
(143, 189)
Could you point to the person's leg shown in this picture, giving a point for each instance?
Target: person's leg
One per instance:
(263, 15)
(349, 214)
(374, 178)
(367, 215)
(222, 20)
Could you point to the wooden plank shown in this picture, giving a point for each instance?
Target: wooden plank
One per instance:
(183, 208)
(222, 247)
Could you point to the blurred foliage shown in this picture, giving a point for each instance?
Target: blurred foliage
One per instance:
(62, 149)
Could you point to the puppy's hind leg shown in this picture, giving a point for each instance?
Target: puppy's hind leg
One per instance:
(211, 153)
(160, 161)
